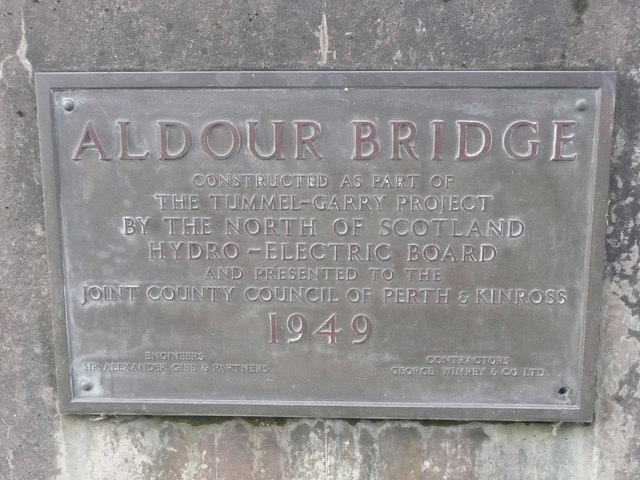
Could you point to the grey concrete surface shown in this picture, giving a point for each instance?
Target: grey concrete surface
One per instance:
(65, 35)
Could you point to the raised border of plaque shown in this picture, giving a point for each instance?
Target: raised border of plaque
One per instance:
(573, 403)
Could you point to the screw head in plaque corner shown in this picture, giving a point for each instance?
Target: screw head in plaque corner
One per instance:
(86, 385)
(68, 104)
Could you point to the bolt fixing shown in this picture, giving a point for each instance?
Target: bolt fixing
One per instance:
(68, 104)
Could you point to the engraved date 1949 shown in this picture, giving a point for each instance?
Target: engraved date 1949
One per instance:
(296, 327)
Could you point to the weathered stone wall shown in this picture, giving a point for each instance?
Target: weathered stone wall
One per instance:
(113, 35)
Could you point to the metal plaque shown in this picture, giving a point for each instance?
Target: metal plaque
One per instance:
(334, 244)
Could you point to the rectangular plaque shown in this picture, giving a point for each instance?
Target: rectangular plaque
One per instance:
(333, 244)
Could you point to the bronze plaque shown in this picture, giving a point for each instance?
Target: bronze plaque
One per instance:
(333, 244)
